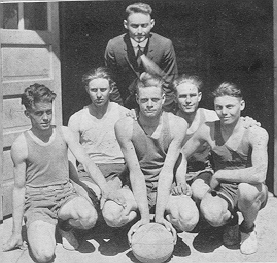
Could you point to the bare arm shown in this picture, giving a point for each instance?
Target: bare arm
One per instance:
(123, 132)
(19, 153)
(73, 125)
(89, 166)
(258, 139)
(200, 136)
(166, 176)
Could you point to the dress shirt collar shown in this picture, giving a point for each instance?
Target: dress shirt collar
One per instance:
(142, 44)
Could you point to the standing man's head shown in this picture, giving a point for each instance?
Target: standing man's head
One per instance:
(228, 103)
(138, 21)
(98, 85)
(150, 95)
(188, 93)
(37, 100)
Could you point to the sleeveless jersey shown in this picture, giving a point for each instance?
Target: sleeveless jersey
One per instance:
(151, 152)
(97, 136)
(199, 161)
(226, 158)
(47, 163)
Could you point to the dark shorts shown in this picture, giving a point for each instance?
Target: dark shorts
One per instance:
(44, 203)
(110, 172)
(229, 192)
(115, 174)
(195, 169)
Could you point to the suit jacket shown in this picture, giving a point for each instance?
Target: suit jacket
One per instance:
(121, 60)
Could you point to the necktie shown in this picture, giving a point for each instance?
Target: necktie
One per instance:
(139, 55)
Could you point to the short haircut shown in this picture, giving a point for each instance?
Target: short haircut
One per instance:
(138, 8)
(148, 80)
(37, 93)
(184, 78)
(227, 89)
(97, 73)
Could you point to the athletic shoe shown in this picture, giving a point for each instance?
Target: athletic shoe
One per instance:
(69, 241)
(231, 233)
(249, 241)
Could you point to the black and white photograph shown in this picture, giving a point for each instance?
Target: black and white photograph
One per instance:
(138, 131)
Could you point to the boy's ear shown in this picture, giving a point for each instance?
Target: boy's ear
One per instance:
(199, 96)
(125, 24)
(27, 114)
(152, 23)
(242, 105)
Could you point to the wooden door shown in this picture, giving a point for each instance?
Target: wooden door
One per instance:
(30, 53)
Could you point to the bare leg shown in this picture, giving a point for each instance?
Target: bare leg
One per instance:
(215, 210)
(251, 198)
(201, 186)
(182, 212)
(81, 214)
(41, 238)
(116, 215)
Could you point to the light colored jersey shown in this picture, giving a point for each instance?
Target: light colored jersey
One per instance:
(97, 136)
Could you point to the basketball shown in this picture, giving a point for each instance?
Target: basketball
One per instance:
(153, 243)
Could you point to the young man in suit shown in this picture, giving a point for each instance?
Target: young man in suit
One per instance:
(125, 55)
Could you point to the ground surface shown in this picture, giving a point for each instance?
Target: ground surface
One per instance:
(107, 245)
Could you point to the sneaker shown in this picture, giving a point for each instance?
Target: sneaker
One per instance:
(231, 233)
(69, 241)
(249, 242)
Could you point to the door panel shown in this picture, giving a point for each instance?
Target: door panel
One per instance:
(30, 53)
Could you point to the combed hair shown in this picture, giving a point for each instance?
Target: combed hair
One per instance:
(37, 93)
(227, 89)
(97, 73)
(138, 8)
(184, 78)
(148, 80)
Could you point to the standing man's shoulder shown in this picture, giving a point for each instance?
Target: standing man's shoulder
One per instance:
(159, 38)
(115, 41)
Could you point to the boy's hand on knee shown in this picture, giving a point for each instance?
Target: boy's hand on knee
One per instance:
(15, 241)
(113, 195)
(181, 189)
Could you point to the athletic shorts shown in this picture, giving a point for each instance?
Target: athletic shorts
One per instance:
(44, 203)
(229, 192)
(115, 174)
(111, 171)
(194, 169)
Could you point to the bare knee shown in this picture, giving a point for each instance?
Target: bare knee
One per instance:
(250, 195)
(43, 253)
(189, 219)
(113, 214)
(248, 192)
(215, 211)
(88, 218)
(199, 189)
(185, 214)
